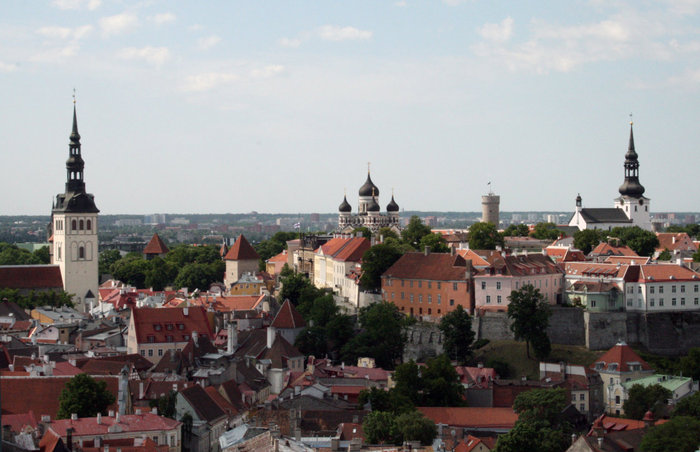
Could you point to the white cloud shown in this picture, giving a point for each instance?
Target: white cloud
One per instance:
(689, 78)
(152, 55)
(500, 32)
(208, 81)
(400, 3)
(267, 71)
(7, 67)
(454, 2)
(118, 24)
(290, 42)
(195, 27)
(208, 42)
(164, 18)
(56, 54)
(77, 4)
(65, 32)
(337, 33)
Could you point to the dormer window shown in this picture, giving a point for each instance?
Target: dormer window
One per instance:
(185, 337)
(180, 326)
(157, 326)
(169, 338)
(151, 339)
(612, 366)
(169, 326)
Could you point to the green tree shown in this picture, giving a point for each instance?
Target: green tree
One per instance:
(165, 404)
(641, 241)
(13, 255)
(440, 383)
(533, 435)
(588, 239)
(688, 406)
(198, 276)
(131, 270)
(546, 231)
(484, 236)
(690, 364)
(382, 336)
(107, 259)
(161, 274)
(457, 334)
(375, 261)
(327, 328)
(379, 427)
(680, 434)
(414, 232)
(362, 231)
(540, 425)
(388, 233)
(42, 254)
(84, 396)
(33, 299)
(408, 382)
(413, 426)
(696, 256)
(529, 314)
(435, 241)
(385, 400)
(642, 399)
(516, 230)
(665, 255)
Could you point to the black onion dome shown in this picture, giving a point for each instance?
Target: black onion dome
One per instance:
(578, 199)
(373, 206)
(368, 188)
(344, 206)
(392, 206)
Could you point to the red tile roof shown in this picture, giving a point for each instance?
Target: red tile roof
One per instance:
(241, 250)
(472, 417)
(667, 272)
(41, 394)
(629, 260)
(281, 257)
(433, 266)
(596, 270)
(224, 404)
(18, 421)
(31, 277)
(238, 303)
(468, 444)
(353, 250)
(675, 241)
(128, 423)
(159, 323)
(477, 260)
(607, 249)
(203, 404)
(156, 246)
(288, 317)
(50, 442)
(622, 355)
(523, 265)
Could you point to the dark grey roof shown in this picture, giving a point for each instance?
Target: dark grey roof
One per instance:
(72, 202)
(604, 215)
(200, 401)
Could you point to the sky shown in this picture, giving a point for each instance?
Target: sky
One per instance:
(279, 106)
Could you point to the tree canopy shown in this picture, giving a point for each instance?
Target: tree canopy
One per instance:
(84, 396)
(381, 337)
(457, 333)
(435, 242)
(641, 241)
(679, 434)
(36, 298)
(414, 232)
(382, 427)
(327, 329)
(516, 230)
(529, 314)
(588, 239)
(484, 236)
(546, 231)
(377, 260)
(688, 406)
(11, 254)
(642, 399)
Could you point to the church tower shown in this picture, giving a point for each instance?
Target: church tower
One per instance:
(74, 227)
(632, 200)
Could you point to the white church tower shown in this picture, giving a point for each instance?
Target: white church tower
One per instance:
(74, 228)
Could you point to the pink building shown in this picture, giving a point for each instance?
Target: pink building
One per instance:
(493, 285)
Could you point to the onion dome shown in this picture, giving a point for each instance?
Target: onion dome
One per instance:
(368, 188)
(631, 186)
(392, 206)
(344, 206)
(373, 205)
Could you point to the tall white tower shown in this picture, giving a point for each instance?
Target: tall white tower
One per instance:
(489, 207)
(74, 227)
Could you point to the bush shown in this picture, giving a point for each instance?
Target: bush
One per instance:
(502, 368)
(483, 342)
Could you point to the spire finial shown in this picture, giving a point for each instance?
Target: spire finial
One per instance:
(73, 96)
(367, 167)
(631, 121)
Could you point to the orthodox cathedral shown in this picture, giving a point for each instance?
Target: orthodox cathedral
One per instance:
(73, 230)
(631, 207)
(368, 211)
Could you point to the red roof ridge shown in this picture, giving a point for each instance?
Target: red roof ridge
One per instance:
(288, 317)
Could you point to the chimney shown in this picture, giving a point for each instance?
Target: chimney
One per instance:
(154, 410)
(141, 390)
(74, 416)
(673, 239)
(116, 418)
(195, 338)
(452, 251)
(426, 250)
(98, 441)
(480, 365)
(232, 341)
(186, 310)
(600, 441)
(99, 418)
(271, 333)
(110, 413)
(138, 411)
(468, 273)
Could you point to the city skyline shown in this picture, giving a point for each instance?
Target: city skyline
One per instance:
(236, 107)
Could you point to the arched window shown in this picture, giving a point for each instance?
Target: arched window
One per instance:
(73, 225)
(89, 225)
(81, 252)
(82, 225)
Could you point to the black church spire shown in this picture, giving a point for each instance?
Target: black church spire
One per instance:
(631, 186)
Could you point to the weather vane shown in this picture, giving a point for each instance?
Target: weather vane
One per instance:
(631, 122)
(73, 96)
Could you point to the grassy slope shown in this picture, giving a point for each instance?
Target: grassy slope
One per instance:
(513, 353)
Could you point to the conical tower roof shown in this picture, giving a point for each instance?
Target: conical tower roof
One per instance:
(241, 250)
(156, 246)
